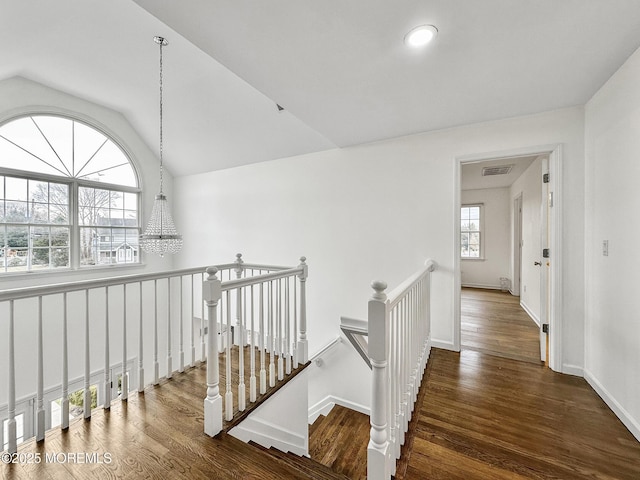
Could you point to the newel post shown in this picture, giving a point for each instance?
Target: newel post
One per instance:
(303, 346)
(378, 452)
(211, 294)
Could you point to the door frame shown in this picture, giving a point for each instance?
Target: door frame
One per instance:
(555, 304)
(517, 245)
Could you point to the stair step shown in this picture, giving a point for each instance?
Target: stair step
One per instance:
(315, 425)
(340, 442)
(304, 465)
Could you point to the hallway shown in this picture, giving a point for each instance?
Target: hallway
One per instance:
(493, 322)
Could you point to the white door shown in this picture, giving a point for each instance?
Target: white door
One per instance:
(545, 260)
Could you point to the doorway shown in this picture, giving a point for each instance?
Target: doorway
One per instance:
(507, 270)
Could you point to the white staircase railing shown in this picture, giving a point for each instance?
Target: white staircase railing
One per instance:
(267, 302)
(396, 342)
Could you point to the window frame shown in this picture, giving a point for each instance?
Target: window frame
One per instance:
(480, 231)
(74, 185)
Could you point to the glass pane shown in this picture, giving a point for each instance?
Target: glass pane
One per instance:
(130, 218)
(87, 141)
(16, 212)
(40, 258)
(464, 213)
(38, 191)
(58, 133)
(17, 260)
(59, 237)
(59, 257)
(88, 246)
(474, 251)
(464, 226)
(473, 226)
(464, 244)
(474, 238)
(59, 214)
(59, 193)
(131, 201)
(16, 189)
(474, 213)
(86, 196)
(109, 165)
(102, 216)
(11, 155)
(40, 236)
(1, 186)
(117, 200)
(105, 252)
(39, 213)
(132, 245)
(2, 216)
(17, 237)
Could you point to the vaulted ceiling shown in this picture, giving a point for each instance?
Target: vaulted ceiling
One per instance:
(339, 68)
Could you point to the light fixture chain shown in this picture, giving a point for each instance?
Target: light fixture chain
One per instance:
(161, 105)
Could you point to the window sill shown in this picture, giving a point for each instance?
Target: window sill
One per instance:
(467, 259)
(66, 272)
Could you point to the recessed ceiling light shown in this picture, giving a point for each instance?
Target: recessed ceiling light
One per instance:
(420, 36)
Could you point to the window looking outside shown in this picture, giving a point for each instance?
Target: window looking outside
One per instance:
(69, 197)
(470, 234)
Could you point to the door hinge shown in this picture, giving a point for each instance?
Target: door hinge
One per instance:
(545, 178)
(545, 328)
(545, 253)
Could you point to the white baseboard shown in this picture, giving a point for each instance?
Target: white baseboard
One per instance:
(269, 435)
(632, 424)
(324, 406)
(445, 345)
(530, 313)
(572, 370)
(481, 285)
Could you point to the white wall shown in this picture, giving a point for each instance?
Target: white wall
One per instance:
(486, 273)
(374, 211)
(612, 137)
(529, 186)
(20, 96)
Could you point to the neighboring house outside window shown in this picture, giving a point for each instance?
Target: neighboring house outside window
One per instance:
(471, 231)
(69, 197)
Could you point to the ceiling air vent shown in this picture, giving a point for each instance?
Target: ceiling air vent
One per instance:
(497, 170)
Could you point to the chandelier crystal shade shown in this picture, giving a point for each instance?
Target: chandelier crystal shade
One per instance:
(161, 236)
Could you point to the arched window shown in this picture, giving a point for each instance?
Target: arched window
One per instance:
(69, 197)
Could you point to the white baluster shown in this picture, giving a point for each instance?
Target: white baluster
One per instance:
(193, 311)
(211, 293)
(240, 337)
(214, 332)
(279, 335)
(64, 423)
(124, 379)
(169, 358)
(378, 457)
(228, 396)
(238, 330)
(303, 346)
(263, 372)
(156, 365)
(40, 416)
(141, 346)
(107, 368)
(11, 423)
(294, 352)
(181, 331)
(252, 378)
(272, 336)
(86, 398)
(287, 327)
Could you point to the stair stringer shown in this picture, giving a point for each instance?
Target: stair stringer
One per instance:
(280, 422)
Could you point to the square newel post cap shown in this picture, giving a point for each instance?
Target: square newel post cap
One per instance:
(211, 287)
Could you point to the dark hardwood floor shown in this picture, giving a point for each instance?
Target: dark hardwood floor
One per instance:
(494, 322)
(486, 417)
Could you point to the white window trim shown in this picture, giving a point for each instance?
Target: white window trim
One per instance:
(481, 258)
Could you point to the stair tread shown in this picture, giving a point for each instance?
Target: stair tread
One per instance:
(303, 464)
(315, 425)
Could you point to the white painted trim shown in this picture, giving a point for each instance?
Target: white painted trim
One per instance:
(324, 406)
(533, 316)
(481, 285)
(555, 170)
(444, 345)
(574, 370)
(270, 435)
(624, 416)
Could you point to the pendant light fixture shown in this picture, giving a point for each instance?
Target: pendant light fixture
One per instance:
(161, 236)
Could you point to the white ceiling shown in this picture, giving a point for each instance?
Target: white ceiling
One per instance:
(338, 67)
(471, 173)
